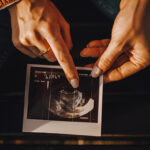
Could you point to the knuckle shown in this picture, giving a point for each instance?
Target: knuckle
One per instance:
(15, 42)
(22, 40)
(30, 35)
(105, 63)
(121, 75)
(144, 62)
(141, 62)
(44, 25)
(48, 25)
(27, 38)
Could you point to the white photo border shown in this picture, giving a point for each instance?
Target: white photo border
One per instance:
(61, 127)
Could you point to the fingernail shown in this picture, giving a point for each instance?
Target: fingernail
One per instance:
(74, 83)
(96, 72)
(82, 54)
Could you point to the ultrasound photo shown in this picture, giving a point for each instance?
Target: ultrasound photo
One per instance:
(51, 103)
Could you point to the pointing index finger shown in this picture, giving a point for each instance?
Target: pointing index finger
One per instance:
(63, 56)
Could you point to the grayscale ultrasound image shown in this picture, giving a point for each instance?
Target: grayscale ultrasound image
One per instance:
(52, 98)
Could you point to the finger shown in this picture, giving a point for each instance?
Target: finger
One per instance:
(42, 46)
(121, 72)
(34, 50)
(107, 59)
(62, 54)
(136, 62)
(50, 55)
(92, 52)
(37, 40)
(120, 60)
(65, 30)
(25, 51)
(99, 43)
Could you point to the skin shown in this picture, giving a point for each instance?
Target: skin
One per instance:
(37, 25)
(128, 51)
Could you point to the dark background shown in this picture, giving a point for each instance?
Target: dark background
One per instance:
(126, 103)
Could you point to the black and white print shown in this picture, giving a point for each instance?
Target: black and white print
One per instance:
(50, 98)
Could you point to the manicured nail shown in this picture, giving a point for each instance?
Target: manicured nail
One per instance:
(96, 72)
(74, 83)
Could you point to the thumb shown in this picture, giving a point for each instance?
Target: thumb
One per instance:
(106, 60)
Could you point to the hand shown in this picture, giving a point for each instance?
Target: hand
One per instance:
(129, 48)
(37, 25)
